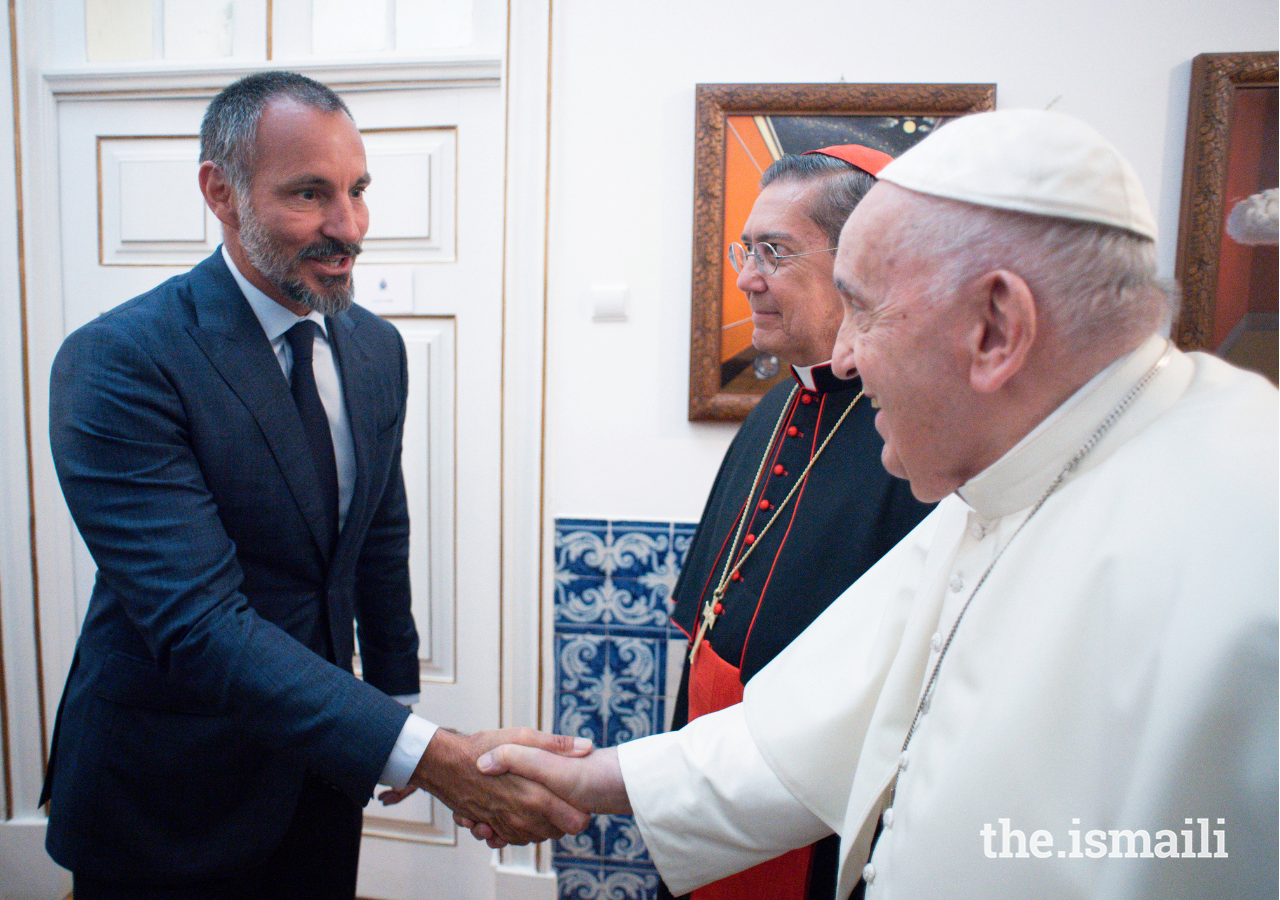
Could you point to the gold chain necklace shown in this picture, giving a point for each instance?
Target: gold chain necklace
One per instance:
(709, 609)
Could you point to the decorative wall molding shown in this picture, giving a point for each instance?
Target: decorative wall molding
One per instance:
(138, 82)
(527, 683)
(413, 201)
(428, 461)
(147, 215)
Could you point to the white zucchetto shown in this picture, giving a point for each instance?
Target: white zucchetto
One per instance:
(1031, 161)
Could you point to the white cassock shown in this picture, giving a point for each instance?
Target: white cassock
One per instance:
(1117, 671)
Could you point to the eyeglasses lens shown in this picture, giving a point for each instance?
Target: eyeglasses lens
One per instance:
(766, 258)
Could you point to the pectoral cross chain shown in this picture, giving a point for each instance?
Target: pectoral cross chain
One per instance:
(709, 616)
(713, 607)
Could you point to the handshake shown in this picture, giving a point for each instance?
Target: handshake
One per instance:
(518, 785)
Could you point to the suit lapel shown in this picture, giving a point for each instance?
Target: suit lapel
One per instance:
(358, 392)
(230, 335)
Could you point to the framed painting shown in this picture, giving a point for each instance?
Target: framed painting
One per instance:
(1227, 261)
(740, 130)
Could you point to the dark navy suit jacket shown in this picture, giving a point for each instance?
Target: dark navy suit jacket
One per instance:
(214, 666)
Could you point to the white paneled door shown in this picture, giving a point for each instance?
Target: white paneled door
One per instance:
(129, 214)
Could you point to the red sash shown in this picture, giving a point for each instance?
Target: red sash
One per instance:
(715, 684)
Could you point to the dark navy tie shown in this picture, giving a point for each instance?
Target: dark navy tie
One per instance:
(315, 421)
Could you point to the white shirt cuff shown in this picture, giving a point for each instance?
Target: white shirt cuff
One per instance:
(412, 743)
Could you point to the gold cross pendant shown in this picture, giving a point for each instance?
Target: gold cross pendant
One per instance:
(709, 616)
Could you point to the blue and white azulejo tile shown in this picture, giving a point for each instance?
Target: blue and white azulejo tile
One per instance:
(612, 626)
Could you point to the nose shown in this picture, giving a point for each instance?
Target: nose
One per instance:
(348, 219)
(843, 362)
(750, 281)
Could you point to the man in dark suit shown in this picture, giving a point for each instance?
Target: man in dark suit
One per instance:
(229, 446)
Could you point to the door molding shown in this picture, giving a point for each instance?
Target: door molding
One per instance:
(151, 82)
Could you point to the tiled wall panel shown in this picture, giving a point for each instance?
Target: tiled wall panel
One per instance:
(612, 606)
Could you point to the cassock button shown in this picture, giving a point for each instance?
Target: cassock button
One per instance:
(935, 642)
(750, 538)
(793, 431)
(806, 399)
(902, 762)
(779, 469)
(718, 609)
(764, 504)
(956, 583)
(868, 873)
(736, 576)
(887, 817)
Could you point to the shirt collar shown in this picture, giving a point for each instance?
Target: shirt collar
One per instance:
(274, 318)
(822, 380)
(1023, 474)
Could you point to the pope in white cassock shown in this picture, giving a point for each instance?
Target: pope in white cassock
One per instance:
(1063, 683)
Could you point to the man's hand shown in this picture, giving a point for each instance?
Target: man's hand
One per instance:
(391, 796)
(517, 811)
(592, 783)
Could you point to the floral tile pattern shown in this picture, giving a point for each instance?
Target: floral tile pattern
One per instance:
(613, 590)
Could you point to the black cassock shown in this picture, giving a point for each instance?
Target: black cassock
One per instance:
(845, 515)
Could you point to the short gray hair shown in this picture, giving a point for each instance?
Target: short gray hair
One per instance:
(230, 127)
(1094, 283)
(843, 187)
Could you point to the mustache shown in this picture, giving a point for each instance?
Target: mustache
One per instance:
(329, 247)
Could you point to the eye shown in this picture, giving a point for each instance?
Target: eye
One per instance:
(856, 312)
(307, 194)
(358, 192)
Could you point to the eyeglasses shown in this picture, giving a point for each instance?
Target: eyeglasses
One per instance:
(766, 255)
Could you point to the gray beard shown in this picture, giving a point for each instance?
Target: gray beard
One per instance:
(278, 267)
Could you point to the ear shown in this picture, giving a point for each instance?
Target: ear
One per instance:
(1004, 332)
(219, 195)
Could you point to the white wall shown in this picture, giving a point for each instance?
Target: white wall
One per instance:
(622, 105)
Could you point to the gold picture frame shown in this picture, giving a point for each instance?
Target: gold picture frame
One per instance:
(822, 114)
(1230, 153)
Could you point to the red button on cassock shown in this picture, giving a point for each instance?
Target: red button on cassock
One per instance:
(750, 539)
(736, 576)
(764, 504)
(806, 398)
(793, 431)
(779, 470)
(719, 607)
